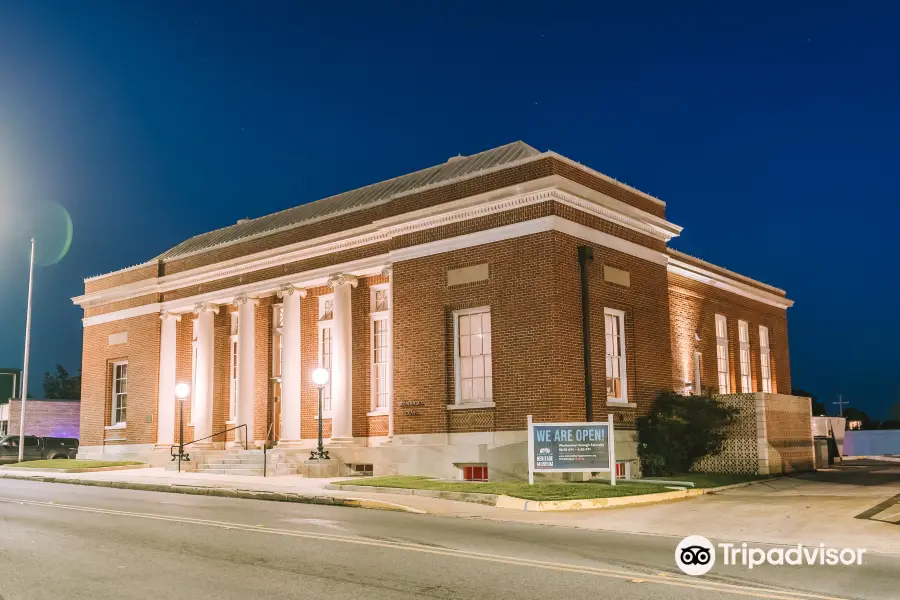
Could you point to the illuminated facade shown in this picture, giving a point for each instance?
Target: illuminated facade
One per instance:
(447, 306)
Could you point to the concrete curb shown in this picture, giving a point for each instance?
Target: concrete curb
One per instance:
(592, 503)
(227, 493)
(78, 470)
(510, 502)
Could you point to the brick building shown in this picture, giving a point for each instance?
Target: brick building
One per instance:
(447, 305)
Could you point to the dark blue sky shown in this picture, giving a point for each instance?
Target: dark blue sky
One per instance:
(772, 135)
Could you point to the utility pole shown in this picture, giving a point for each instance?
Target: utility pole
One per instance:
(841, 402)
(27, 348)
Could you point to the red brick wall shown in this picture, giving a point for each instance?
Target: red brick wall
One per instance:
(309, 360)
(262, 380)
(693, 307)
(222, 372)
(184, 370)
(534, 294)
(142, 353)
(117, 279)
(50, 418)
(647, 345)
(517, 292)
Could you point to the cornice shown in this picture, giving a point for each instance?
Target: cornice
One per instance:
(382, 231)
(724, 282)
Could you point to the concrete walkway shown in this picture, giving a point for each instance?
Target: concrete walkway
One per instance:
(835, 507)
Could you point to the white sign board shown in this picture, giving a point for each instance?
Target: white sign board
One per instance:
(571, 448)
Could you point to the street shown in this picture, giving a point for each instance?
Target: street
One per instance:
(67, 541)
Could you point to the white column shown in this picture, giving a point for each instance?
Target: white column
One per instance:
(165, 416)
(246, 364)
(202, 413)
(342, 361)
(290, 368)
(389, 273)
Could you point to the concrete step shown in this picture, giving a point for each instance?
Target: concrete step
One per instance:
(234, 461)
(253, 471)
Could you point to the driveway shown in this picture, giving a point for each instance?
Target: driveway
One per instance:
(856, 504)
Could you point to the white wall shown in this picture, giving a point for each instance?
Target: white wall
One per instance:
(872, 443)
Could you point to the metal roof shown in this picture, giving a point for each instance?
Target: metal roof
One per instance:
(371, 194)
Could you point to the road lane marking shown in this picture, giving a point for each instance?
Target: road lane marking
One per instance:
(700, 584)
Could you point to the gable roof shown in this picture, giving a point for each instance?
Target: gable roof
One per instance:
(460, 166)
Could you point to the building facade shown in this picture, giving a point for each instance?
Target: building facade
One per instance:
(446, 305)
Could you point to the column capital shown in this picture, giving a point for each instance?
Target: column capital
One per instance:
(343, 279)
(167, 315)
(290, 290)
(244, 299)
(386, 272)
(206, 307)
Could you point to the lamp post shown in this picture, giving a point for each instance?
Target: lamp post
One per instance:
(182, 390)
(27, 349)
(320, 379)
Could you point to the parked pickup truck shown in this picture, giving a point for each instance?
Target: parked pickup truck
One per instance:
(37, 448)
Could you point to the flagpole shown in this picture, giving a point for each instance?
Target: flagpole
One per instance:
(27, 348)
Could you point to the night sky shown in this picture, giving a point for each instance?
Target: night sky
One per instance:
(772, 136)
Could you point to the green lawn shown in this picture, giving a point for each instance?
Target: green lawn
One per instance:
(63, 463)
(517, 489)
(709, 480)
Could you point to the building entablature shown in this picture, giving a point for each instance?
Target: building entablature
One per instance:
(550, 189)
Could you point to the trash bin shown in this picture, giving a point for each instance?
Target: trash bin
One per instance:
(821, 448)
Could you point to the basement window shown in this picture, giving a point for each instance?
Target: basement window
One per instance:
(364, 470)
(474, 472)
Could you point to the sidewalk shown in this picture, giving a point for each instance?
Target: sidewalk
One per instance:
(304, 489)
(811, 509)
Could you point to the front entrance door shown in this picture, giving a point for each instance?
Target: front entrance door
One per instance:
(276, 412)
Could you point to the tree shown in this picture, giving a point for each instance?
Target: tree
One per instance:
(854, 414)
(680, 430)
(818, 408)
(61, 386)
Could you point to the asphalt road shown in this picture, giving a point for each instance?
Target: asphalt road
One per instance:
(61, 541)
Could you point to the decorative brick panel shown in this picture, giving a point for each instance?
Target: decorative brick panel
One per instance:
(789, 433)
(471, 420)
(740, 452)
(377, 426)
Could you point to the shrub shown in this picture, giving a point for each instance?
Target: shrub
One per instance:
(680, 430)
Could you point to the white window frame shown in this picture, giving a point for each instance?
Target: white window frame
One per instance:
(765, 359)
(233, 376)
(723, 370)
(114, 422)
(325, 324)
(195, 350)
(487, 402)
(374, 317)
(619, 315)
(744, 356)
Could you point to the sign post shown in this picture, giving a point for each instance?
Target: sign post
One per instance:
(571, 448)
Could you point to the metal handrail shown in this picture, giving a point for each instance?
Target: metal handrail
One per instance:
(269, 437)
(186, 458)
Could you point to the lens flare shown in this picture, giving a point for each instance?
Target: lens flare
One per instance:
(53, 231)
